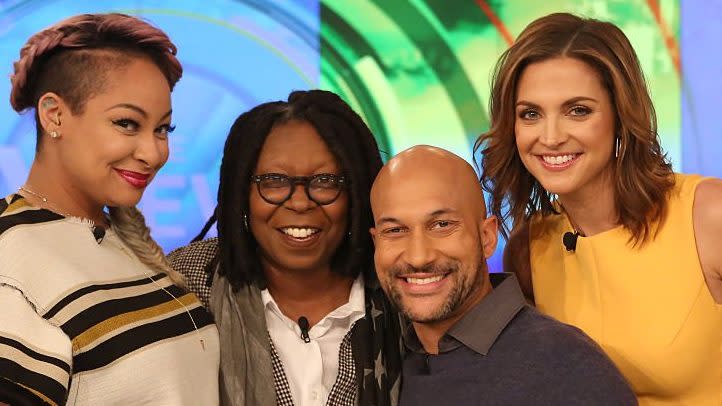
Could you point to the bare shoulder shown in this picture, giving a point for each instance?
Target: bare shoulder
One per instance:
(516, 258)
(708, 199)
(707, 218)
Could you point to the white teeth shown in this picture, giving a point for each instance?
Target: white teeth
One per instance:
(424, 281)
(558, 159)
(300, 232)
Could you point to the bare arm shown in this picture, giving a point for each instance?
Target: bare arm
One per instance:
(707, 217)
(516, 259)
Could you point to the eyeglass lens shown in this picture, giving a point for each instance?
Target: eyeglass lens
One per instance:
(322, 189)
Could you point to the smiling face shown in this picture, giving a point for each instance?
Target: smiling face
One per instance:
(564, 127)
(431, 237)
(299, 234)
(111, 151)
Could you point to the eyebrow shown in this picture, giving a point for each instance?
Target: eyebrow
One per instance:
(137, 109)
(573, 100)
(384, 220)
(433, 214)
(445, 210)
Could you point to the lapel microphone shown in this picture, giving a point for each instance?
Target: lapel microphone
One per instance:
(570, 240)
(303, 324)
(99, 234)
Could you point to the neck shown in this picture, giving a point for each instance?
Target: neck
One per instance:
(61, 197)
(310, 293)
(592, 210)
(430, 333)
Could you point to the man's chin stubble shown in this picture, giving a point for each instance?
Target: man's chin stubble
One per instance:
(450, 304)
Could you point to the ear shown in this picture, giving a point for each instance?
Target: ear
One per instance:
(51, 111)
(372, 230)
(489, 232)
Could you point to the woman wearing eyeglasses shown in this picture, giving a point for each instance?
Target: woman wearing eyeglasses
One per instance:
(290, 278)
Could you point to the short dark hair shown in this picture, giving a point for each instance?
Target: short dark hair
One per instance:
(352, 144)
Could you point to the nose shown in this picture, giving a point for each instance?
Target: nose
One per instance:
(553, 133)
(151, 150)
(299, 200)
(419, 251)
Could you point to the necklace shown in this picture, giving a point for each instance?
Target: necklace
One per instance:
(45, 201)
(195, 326)
(50, 206)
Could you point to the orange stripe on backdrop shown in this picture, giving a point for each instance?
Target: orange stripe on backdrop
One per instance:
(669, 40)
(495, 21)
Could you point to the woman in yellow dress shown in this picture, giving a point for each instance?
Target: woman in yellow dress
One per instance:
(605, 236)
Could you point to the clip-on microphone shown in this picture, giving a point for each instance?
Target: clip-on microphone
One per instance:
(98, 234)
(570, 240)
(303, 324)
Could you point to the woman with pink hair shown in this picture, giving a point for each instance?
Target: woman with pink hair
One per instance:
(91, 311)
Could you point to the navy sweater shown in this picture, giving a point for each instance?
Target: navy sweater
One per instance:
(535, 361)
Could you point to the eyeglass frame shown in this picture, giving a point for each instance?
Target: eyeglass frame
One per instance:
(299, 180)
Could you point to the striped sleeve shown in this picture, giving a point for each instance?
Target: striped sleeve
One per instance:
(35, 356)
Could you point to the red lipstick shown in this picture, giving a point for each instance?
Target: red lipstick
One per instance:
(137, 180)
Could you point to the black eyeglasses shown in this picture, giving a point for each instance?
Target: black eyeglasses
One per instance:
(322, 189)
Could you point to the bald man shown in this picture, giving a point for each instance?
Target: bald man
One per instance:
(472, 339)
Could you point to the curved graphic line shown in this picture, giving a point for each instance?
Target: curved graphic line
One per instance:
(336, 37)
(227, 25)
(669, 41)
(287, 19)
(495, 21)
(441, 59)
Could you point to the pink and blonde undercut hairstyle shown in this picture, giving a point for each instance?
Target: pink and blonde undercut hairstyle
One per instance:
(72, 59)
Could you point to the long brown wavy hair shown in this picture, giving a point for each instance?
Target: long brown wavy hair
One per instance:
(642, 174)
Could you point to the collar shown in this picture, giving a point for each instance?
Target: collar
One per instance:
(480, 327)
(355, 308)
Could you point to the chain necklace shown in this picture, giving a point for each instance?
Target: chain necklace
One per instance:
(52, 207)
(45, 201)
(195, 326)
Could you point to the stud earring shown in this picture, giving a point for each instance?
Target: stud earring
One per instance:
(54, 134)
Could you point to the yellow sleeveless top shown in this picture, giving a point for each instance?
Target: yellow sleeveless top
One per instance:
(648, 307)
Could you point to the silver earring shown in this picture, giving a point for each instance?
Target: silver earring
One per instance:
(617, 146)
(54, 134)
(245, 222)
